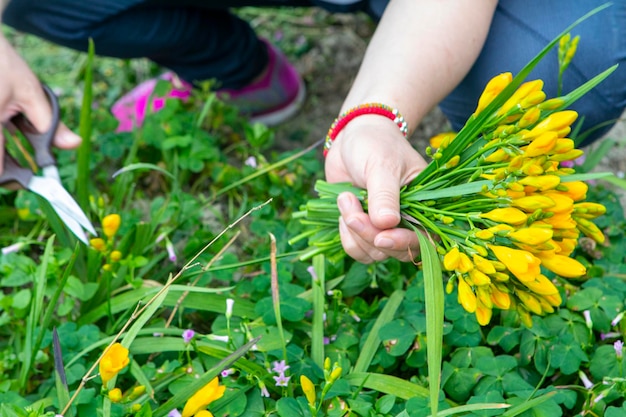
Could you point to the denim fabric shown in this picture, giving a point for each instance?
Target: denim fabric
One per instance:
(520, 29)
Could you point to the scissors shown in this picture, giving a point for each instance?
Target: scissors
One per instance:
(48, 184)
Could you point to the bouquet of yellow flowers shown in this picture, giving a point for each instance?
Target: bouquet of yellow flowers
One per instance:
(495, 200)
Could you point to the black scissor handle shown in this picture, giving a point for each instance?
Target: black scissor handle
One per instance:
(41, 141)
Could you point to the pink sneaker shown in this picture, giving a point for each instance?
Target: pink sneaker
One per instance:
(271, 100)
(130, 110)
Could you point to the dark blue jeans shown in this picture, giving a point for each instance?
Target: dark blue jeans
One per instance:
(201, 39)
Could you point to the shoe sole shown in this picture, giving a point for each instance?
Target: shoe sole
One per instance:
(279, 116)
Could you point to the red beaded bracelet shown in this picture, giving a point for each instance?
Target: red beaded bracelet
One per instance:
(367, 108)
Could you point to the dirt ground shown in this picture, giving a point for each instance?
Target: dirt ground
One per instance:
(331, 64)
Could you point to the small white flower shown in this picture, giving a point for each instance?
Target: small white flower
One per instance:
(217, 337)
(585, 380)
(617, 319)
(588, 320)
(12, 249)
(229, 307)
(251, 162)
(619, 348)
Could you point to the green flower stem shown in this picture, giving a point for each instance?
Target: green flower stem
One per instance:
(427, 224)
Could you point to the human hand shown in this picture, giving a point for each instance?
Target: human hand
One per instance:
(371, 153)
(21, 92)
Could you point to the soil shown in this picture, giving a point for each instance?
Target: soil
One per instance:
(329, 67)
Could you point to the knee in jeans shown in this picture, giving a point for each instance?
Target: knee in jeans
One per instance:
(19, 13)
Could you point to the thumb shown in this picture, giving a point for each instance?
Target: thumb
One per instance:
(383, 190)
(36, 106)
(65, 138)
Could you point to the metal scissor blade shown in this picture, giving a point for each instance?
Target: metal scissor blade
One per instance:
(61, 200)
(72, 224)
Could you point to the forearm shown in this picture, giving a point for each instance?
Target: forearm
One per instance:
(421, 50)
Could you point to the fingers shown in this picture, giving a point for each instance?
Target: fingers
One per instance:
(1, 150)
(65, 138)
(365, 242)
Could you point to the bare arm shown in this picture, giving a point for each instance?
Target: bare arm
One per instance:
(421, 50)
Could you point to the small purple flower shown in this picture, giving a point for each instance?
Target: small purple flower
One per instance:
(619, 347)
(12, 248)
(280, 367)
(609, 335)
(227, 372)
(173, 413)
(188, 335)
(171, 254)
(251, 162)
(264, 392)
(326, 340)
(281, 380)
(617, 319)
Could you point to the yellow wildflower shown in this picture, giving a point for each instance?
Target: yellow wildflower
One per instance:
(492, 89)
(589, 210)
(483, 295)
(522, 91)
(529, 301)
(542, 182)
(552, 104)
(563, 145)
(465, 265)
(545, 305)
(562, 265)
(309, 389)
(484, 234)
(111, 224)
(114, 360)
(115, 395)
(555, 121)
(531, 235)
(542, 145)
(115, 256)
(566, 246)
(483, 314)
(451, 259)
(554, 299)
(500, 299)
(204, 413)
(562, 202)
(205, 396)
(533, 99)
(442, 140)
(561, 221)
(502, 229)
(508, 215)
(483, 265)
(466, 296)
(478, 278)
(533, 202)
(589, 229)
(98, 244)
(529, 118)
(524, 265)
(541, 285)
(524, 315)
(576, 190)
(567, 156)
(454, 161)
(335, 374)
(498, 155)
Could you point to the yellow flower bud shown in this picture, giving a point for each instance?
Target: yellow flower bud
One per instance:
(453, 162)
(562, 203)
(524, 316)
(522, 91)
(451, 259)
(499, 155)
(501, 229)
(561, 221)
(484, 234)
(483, 265)
(589, 229)
(98, 244)
(576, 190)
(23, 213)
(566, 246)
(542, 182)
(111, 224)
(442, 140)
(589, 210)
(309, 389)
(555, 121)
(530, 117)
(115, 395)
(478, 278)
(500, 299)
(114, 360)
(115, 256)
(554, 299)
(508, 215)
(541, 285)
(136, 407)
(483, 295)
(492, 89)
(545, 305)
(567, 156)
(327, 364)
(541, 145)
(531, 235)
(335, 374)
(552, 104)
(465, 265)
(501, 276)
(483, 314)
(466, 296)
(530, 302)
(203, 397)
(524, 265)
(533, 202)
(562, 265)
(107, 267)
(563, 145)
(533, 99)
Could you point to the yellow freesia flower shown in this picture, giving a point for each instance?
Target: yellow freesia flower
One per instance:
(522, 91)
(508, 215)
(589, 229)
(465, 265)
(466, 296)
(309, 389)
(492, 89)
(529, 301)
(114, 360)
(563, 145)
(483, 265)
(541, 285)
(589, 210)
(204, 413)
(533, 202)
(451, 259)
(562, 202)
(531, 116)
(500, 299)
(562, 265)
(205, 396)
(541, 145)
(565, 246)
(111, 224)
(115, 395)
(483, 314)
(542, 182)
(567, 156)
(524, 265)
(555, 121)
(531, 235)
(576, 190)
(442, 140)
(533, 99)
(478, 278)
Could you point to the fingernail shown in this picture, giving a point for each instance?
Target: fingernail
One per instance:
(356, 225)
(384, 212)
(343, 202)
(383, 243)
